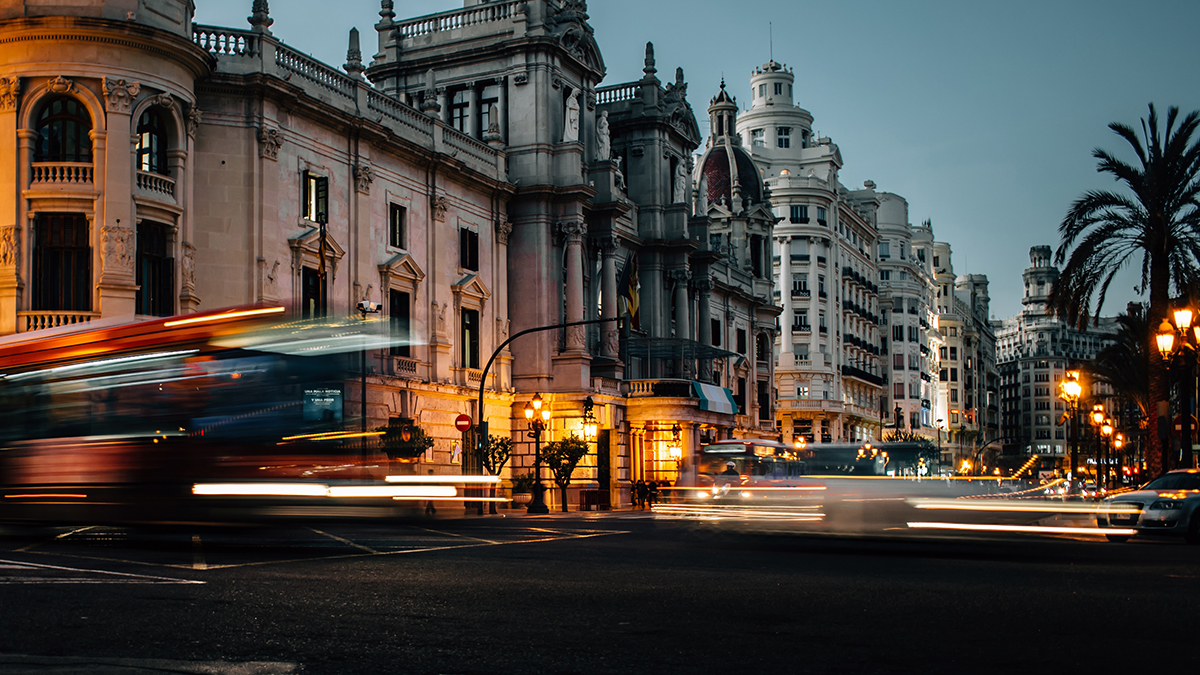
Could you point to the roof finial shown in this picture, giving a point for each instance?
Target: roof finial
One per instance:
(260, 17)
(387, 9)
(354, 66)
(649, 69)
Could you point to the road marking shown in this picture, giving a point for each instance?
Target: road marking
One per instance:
(64, 535)
(106, 577)
(344, 541)
(197, 554)
(454, 534)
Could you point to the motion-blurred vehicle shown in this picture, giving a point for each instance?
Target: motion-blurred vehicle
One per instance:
(741, 470)
(1166, 505)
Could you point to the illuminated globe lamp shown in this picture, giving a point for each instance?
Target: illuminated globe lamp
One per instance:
(1165, 339)
(538, 417)
(675, 449)
(590, 427)
(1069, 390)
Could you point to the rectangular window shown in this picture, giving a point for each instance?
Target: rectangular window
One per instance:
(756, 247)
(912, 334)
(942, 353)
(885, 275)
(778, 88)
(954, 374)
(758, 138)
(954, 353)
(764, 401)
(898, 332)
(468, 249)
(801, 319)
(470, 338)
(935, 261)
(62, 263)
(799, 284)
(399, 320)
(397, 237)
(885, 250)
(783, 136)
(914, 362)
(821, 215)
(944, 376)
(897, 362)
(155, 270)
(762, 90)
(898, 391)
(312, 294)
(716, 332)
(315, 206)
(799, 214)
(821, 285)
(459, 111)
(954, 396)
(741, 340)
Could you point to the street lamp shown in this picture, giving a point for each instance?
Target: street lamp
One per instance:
(365, 307)
(1118, 447)
(590, 427)
(537, 418)
(1177, 340)
(1106, 433)
(1069, 390)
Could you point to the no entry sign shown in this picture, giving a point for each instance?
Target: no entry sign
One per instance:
(462, 422)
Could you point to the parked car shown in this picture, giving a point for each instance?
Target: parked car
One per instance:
(1169, 505)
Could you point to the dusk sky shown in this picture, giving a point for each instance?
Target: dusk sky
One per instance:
(982, 115)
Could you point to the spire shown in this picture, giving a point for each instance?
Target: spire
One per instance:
(354, 65)
(649, 70)
(260, 17)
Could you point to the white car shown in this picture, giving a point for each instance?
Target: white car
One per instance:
(1166, 505)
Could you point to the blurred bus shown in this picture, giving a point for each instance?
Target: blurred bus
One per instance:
(738, 469)
(123, 422)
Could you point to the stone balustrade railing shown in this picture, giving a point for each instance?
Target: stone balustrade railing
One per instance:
(616, 92)
(64, 173)
(43, 319)
(314, 71)
(398, 112)
(156, 184)
(458, 19)
(226, 41)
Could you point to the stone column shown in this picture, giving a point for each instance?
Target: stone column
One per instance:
(502, 108)
(443, 104)
(117, 289)
(682, 325)
(10, 230)
(610, 248)
(704, 322)
(572, 233)
(472, 121)
(785, 294)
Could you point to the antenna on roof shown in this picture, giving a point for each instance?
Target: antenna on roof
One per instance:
(771, 39)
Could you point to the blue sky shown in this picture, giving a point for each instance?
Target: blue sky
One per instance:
(982, 115)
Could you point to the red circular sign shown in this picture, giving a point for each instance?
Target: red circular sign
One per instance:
(462, 422)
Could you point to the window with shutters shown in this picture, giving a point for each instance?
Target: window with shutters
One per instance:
(315, 197)
(397, 224)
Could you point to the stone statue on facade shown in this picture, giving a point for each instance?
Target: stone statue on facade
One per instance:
(571, 121)
(603, 142)
(681, 183)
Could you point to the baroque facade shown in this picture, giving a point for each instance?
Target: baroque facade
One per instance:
(829, 373)
(472, 177)
(1034, 349)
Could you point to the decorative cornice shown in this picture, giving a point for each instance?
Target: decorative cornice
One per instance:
(10, 92)
(119, 94)
(269, 141)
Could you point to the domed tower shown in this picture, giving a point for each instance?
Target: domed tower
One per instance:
(771, 84)
(95, 228)
(727, 175)
(1039, 278)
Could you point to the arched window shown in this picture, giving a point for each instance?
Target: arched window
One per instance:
(152, 143)
(63, 132)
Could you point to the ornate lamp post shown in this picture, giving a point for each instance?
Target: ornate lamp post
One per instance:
(537, 417)
(1106, 434)
(590, 427)
(1096, 419)
(1069, 390)
(1185, 346)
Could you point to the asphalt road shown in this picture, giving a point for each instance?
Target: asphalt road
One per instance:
(622, 593)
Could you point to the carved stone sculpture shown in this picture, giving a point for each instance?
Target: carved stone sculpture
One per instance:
(363, 177)
(571, 121)
(503, 230)
(119, 94)
(603, 142)
(680, 193)
(188, 265)
(10, 246)
(440, 203)
(10, 92)
(270, 140)
(118, 249)
(194, 116)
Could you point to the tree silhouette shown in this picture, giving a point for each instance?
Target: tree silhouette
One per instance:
(562, 457)
(1156, 217)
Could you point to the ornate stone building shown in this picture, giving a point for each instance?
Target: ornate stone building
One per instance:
(471, 176)
(828, 372)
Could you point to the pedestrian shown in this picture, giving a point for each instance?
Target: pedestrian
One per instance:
(632, 494)
(643, 491)
(653, 490)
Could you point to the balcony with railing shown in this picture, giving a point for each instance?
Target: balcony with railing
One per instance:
(43, 319)
(65, 176)
(156, 185)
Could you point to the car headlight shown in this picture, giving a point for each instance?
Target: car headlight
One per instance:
(1166, 505)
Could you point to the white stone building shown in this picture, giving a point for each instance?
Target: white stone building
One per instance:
(828, 371)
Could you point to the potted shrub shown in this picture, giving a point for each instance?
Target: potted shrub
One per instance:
(522, 489)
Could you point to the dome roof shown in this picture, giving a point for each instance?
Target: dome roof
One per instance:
(720, 173)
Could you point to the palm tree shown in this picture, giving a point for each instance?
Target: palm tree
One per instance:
(1123, 364)
(1158, 216)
